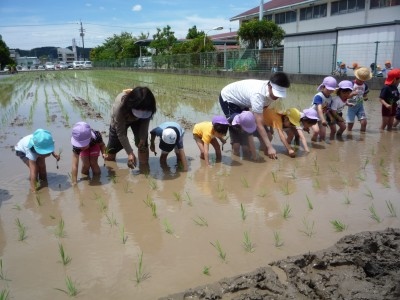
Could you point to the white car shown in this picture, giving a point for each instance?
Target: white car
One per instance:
(49, 66)
(87, 64)
(77, 64)
(63, 65)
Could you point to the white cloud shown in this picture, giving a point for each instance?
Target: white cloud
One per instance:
(88, 4)
(137, 7)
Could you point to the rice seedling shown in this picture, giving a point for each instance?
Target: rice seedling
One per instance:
(4, 294)
(338, 225)
(200, 221)
(248, 245)
(17, 207)
(37, 184)
(278, 242)
(127, 188)
(206, 270)
(308, 228)
(244, 181)
(38, 200)
(65, 259)
(316, 170)
(309, 203)
(154, 209)
(293, 174)
(286, 211)
(122, 234)
(71, 290)
(391, 208)
(148, 201)
(361, 176)
(21, 230)
(2, 274)
(243, 212)
(177, 196)
(168, 227)
(262, 193)
(366, 162)
(111, 220)
(153, 184)
(189, 199)
(59, 153)
(333, 169)
(101, 203)
(285, 189)
(113, 178)
(369, 193)
(374, 215)
(316, 183)
(274, 176)
(140, 274)
(59, 231)
(221, 252)
(347, 199)
(381, 162)
(386, 184)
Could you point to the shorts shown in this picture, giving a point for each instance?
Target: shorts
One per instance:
(330, 120)
(357, 110)
(92, 151)
(389, 112)
(397, 116)
(22, 156)
(114, 145)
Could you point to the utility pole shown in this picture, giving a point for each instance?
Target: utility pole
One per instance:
(82, 34)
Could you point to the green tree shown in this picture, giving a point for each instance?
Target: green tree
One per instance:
(268, 32)
(5, 55)
(194, 33)
(163, 40)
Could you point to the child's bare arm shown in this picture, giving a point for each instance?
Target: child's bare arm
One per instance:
(285, 143)
(32, 174)
(303, 140)
(74, 170)
(321, 115)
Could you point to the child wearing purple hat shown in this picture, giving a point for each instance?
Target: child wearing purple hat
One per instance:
(320, 103)
(206, 133)
(241, 133)
(86, 144)
(32, 150)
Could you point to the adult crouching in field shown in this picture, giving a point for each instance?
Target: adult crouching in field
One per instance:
(133, 108)
(254, 95)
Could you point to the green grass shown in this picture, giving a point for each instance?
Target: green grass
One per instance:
(65, 259)
(21, 230)
(338, 225)
(221, 252)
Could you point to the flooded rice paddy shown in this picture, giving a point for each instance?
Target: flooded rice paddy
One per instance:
(143, 236)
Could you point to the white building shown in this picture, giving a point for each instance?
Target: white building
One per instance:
(66, 55)
(321, 32)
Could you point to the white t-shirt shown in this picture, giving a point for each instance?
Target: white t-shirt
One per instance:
(249, 93)
(22, 146)
(337, 104)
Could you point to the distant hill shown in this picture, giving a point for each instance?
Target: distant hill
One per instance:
(51, 52)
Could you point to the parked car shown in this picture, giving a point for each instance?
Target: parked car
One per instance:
(62, 65)
(49, 66)
(77, 64)
(87, 64)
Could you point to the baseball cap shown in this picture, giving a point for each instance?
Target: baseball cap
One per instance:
(310, 113)
(168, 140)
(246, 121)
(392, 75)
(294, 116)
(141, 114)
(346, 85)
(329, 83)
(278, 91)
(81, 135)
(42, 141)
(220, 120)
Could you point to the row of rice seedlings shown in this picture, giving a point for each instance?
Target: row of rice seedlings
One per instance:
(2, 274)
(286, 211)
(200, 221)
(243, 211)
(122, 234)
(278, 242)
(374, 215)
(248, 245)
(21, 230)
(111, 220)
(391, 208)
(308, 228)
(60, 231)
(71, 289)
(206, 270)
(309, 203)
(140, 274)
(65, 259)
(338, 225)
(221, 252)
(4, 294)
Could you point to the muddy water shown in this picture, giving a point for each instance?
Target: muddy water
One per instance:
(108, 224)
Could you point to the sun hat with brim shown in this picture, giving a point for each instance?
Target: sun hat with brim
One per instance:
(392, 76)
(169, 138)
(294, 116)
(345, 85)
(220, 120)
(141, 114)
(246, 121)
(363, 74)
(310, 113)
(329, 83)
(81, 135)
(278, 91)
(42, 141)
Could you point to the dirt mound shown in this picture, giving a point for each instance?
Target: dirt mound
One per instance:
(361, 266)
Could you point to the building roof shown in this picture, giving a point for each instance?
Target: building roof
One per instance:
(270, 5)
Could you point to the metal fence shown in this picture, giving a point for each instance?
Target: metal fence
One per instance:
(312, 59)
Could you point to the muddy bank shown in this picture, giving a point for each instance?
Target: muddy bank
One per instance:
(360, 266)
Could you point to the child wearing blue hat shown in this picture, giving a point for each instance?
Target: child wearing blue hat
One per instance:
(32, 150)
(206, 133)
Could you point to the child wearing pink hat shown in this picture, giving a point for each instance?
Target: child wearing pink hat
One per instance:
(389, 98)
(320, 104)
(86, 144)
(206, 133)
(32, 150)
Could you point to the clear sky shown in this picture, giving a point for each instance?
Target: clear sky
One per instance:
(27, 24)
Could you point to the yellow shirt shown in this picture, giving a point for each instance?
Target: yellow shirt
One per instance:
(272, 118)
(205, 131)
